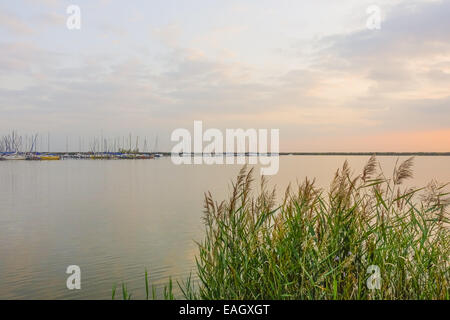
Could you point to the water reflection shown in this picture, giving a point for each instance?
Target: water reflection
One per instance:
(116, 218)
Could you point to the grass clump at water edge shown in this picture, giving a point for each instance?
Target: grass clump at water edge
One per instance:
(321, 244)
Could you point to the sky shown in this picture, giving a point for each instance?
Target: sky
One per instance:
(311, 69)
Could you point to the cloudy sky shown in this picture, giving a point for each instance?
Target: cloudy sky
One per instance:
(309, 68)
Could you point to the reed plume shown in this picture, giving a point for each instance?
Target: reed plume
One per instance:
(404, 171)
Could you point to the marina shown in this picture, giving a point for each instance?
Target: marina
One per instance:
(17, 147)
(80, 156)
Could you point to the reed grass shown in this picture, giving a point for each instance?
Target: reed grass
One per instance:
(319, 243)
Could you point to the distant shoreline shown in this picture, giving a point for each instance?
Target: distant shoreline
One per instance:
(280, 153)
(366, 153)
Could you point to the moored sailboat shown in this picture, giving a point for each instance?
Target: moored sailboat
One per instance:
(14, 156)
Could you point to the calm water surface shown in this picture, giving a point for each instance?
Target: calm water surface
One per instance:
(117, 218)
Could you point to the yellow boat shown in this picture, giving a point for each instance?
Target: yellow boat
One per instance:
(50, 157)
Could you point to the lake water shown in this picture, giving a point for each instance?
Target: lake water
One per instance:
(115, 219)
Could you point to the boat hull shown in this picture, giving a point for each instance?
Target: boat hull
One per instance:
(14, 157)
(49, 157)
